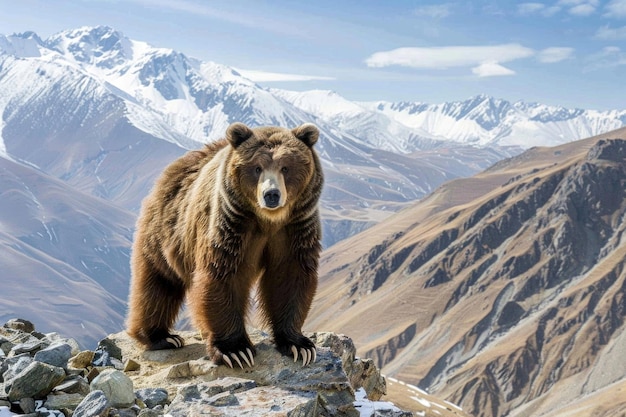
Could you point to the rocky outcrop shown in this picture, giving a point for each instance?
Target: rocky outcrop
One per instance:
(46, 375)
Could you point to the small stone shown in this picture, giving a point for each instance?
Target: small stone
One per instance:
(81, 360)
(105, 352)
(93, 373)
(55, 355)
(36, 380)
(27, 405)
(28, 347)
(93, 405)
(147, 412)
(126, 412)
(62, 400)
(153, 396)
(74, 385)
(21, 325)
(5, 403)
(117, 387)
(131, 365)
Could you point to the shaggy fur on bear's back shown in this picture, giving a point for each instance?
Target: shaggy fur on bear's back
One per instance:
(241, 209)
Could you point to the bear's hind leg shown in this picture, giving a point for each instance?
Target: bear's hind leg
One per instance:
(154, 304)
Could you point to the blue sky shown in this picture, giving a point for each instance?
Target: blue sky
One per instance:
(561, 52)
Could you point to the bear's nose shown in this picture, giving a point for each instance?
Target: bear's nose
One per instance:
(272, 198)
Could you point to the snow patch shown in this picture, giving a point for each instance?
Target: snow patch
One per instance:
(369, 408)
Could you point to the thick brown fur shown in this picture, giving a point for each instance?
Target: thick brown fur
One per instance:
(241, 210)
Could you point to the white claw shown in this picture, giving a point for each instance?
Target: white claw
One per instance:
(295, 354)
(251, 356)
(227, 360)
(245, 358)
(236, 358)
(305, 356)
(314, 355)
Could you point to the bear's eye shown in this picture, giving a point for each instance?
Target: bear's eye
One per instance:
(258, 170)
(284, 170)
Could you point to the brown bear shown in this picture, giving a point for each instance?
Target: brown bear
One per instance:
(242, 210)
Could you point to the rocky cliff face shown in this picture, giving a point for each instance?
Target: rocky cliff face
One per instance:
(47, 375)
(498, 291)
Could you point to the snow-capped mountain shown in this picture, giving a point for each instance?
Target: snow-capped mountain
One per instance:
(106, 114)
(102, 115)
(483, 120)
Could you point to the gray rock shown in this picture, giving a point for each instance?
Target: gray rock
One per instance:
(27, 405)
(57, 355)
(95, 404)
(153, 396)
(73, 385)
(36, 380)
(30, 347)
(106, 352)
(148, 412)
(224, 399)
(55, 338)
(361, 372)
(194, 392)
(13, 366)
(21, 325)
(124, 412)
(117, 387)
(257, 401)
(62, 400)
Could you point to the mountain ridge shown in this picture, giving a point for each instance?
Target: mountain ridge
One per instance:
(491, 298)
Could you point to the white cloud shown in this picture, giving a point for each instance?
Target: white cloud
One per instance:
(435, 11)
(448, 56)
(263, 76)
(530, 8)
(608, 57)
(608, 33)
(554, 54)
(491, 69)
(582, 10)
(526, 9)
(579, 7)
(549, 11)
(616, 8)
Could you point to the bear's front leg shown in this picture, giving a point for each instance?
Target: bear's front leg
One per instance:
(286, 292)
(219, 308)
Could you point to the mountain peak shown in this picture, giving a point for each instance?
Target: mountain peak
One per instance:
(102, 46)
(21, 45)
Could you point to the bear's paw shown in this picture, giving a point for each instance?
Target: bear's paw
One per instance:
(233, 353)
(298, 346)
(171, 341)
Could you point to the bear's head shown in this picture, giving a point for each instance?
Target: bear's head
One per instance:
(273, 166)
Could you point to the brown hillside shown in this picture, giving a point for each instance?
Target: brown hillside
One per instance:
(497, 292)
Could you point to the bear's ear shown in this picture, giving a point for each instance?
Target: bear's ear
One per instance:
(307, 133)
(238, 133)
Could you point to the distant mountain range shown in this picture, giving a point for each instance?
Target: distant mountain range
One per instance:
(101, 115)
(504, 292)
